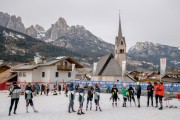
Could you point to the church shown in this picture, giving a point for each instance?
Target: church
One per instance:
(109, 67)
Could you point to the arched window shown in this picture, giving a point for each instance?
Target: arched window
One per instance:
(121, 50)
(121, 42)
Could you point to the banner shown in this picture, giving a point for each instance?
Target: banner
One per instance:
(162, 66)
(175, 87)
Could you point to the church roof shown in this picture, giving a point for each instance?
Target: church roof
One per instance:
(112, 69)
(102, 63)
(108, 66)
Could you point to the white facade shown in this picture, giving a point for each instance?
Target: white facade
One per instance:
(50, 71)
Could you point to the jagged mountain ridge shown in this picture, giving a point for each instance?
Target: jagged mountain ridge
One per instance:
(148, 54)
(19, 47)
(77, 38)
(60, 34)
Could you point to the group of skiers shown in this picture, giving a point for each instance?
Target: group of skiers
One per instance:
(128, 94)
(15, 93)
(91, 92)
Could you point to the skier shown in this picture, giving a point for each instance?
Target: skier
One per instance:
(47, 89)
(42, 89)
(71, 98)
(89, 96)
(160, 88)
(125, 95)
(15, 94)
(131, 94)
(66, 90)
(138, 92)
(81, 99)
(59, 88)
(28, 97)
(150, 94)
(97, 96)
(114, 95)
(156, 93)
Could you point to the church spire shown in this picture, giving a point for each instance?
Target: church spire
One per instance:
(120, 31)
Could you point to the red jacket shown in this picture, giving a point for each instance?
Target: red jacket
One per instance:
(156, 90)
(161, 90)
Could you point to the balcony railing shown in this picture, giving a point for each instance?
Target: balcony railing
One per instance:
(64, 68)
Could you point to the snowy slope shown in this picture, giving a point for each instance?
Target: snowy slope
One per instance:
(55, 108)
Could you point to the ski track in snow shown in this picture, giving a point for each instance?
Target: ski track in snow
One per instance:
(55, 108)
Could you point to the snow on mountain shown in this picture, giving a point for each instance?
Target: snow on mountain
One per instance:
(149, 54)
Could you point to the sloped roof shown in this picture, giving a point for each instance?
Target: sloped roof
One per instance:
(112, 69)
(102, 63)
(7, 75)
(30, 67)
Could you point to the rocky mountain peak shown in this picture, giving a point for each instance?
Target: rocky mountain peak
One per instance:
(39, 28)
(61, 23)
(12, 22)
(31, 31)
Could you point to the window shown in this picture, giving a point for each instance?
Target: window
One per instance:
(57, 74)
(69, 74)
(121, 42)
(65, 63)
(121, 50)
(43, 74)
(20, 74)
(24, 74)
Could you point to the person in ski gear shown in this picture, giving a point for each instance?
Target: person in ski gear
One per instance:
(29, 97)
(156, 93)
(138, 92)
(71, 98)
(131, 94)
(42, 88)
(59, 88)
(15, 93)
(97, 96)
(114, 95)
(150, 88)
(89, 96)
(125, 94)
(66, 90)
(47, 89)
(81, 99)
(160, 88)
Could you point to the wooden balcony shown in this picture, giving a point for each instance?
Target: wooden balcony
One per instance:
(64, 68)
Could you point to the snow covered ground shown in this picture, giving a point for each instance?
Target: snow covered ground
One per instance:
(55, 108)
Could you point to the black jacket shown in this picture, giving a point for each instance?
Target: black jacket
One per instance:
(150, 89)
(138, 90)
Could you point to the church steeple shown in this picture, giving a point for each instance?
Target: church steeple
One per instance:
(119, 31)
(120, 46)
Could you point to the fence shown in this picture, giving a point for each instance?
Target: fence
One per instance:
(175, 87)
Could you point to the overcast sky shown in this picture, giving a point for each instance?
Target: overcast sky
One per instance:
(142, 20)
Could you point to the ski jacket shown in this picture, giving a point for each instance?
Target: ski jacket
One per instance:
(28, 93)
(150, 89)
(90, 94)
(114, 92)
(155, 89)
(124, 92)
(97, 93)
(138, 89)
(131, 91)
(161, 90)
(15, 92)
(81, 95)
